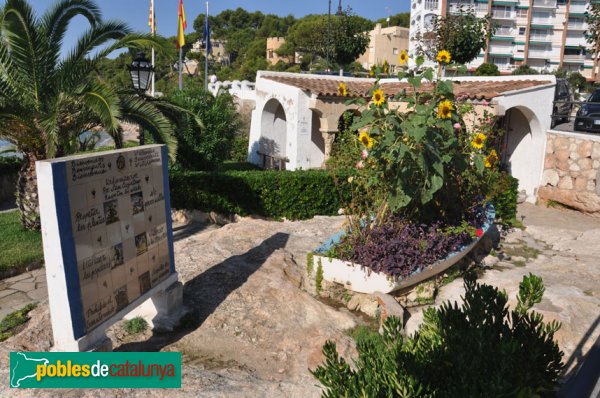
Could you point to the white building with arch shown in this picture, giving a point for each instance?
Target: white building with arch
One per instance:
(296, 117)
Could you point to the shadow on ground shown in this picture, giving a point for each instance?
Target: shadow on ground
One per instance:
(584, 378)
(205, 293)
(187, 230)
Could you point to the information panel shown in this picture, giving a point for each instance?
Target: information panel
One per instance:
(116, 238)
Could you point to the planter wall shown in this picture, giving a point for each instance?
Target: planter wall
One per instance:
(361, 279)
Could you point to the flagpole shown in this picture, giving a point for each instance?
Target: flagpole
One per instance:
(180, 68)
(206, 52)
(153, 34)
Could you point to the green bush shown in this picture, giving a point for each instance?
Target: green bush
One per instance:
(239, 148)
(135, 325)
(273, 194)
(505, 190)
(487, 70)
(480, 349)
(9, 165)
(525, 70)
(205, 149)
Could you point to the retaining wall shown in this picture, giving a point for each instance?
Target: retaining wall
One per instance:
(572, 171)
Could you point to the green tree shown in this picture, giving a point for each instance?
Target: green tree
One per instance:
(207, 147)
(348, 37)
(401, 19)
(592, 34)
(464, 35)
(525, 70)
(47, 101)
(487, 70)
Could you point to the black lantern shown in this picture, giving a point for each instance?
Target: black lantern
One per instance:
(141, 70)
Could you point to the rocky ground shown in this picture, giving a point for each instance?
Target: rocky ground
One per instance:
(255, 331)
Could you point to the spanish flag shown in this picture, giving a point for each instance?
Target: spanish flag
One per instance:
(181, 27)
(152, 18)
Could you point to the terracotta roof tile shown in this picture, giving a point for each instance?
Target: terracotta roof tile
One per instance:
(474, 90)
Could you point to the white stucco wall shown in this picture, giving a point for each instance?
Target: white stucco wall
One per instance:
(528, 141)
(301, 149)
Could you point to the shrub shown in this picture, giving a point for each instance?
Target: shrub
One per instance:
(487, 70)
(274, 194)
(525, 70)
(205, 149)
(135, 325)
(480, 349)
(10, 164)
(505, 190)
(239, 148)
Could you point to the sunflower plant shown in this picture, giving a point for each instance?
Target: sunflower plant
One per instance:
(418, 158)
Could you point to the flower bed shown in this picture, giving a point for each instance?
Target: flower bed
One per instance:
(364, 279)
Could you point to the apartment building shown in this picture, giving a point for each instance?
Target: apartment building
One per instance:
(544, 34)
(385, 45)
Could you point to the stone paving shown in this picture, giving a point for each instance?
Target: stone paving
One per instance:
(265, 332)
(20, 290)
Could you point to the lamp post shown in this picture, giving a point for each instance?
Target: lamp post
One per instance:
(339, 13)
(328, 33)
(141, 71)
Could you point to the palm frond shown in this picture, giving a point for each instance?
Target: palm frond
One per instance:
(103, 101)
(143, 113)
(25, 47)
(94, 37)
(56, 20)
(140, 41)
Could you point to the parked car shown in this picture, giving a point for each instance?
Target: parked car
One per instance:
(588, 115)
(563, 102)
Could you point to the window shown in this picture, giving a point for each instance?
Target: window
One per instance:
(270, 53)
(522, 30)
(522, 12)
(395, 51)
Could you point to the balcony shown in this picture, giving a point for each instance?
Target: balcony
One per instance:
(541, 20)
(538, 53)
(575, 41)
(431, 5)
(544, 3)
(577, 25)
(577, 8)
(503, 14)
(538, 37)
(454, 8)
(579, 59)
(504, 31)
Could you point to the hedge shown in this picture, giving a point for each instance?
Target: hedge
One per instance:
(9, 165)
(274, 194)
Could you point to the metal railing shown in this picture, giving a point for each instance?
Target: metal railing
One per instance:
(503, 31)
(431, 5)
(503, 14)
(577, 25)
(544, 3)
(578, 7)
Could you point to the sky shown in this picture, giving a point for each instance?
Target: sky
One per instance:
(135, 12)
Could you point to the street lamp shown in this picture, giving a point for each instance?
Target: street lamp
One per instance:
(141, 71)
(339, 13)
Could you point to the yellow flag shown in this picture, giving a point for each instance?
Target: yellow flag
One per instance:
(181, 27)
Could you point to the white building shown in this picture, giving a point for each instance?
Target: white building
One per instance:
(544, 34)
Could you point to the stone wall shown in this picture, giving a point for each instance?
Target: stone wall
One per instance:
(572, 171)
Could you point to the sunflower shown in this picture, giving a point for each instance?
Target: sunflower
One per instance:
(386, 67)
(478, 141)
(443, 57)
(403, 58)
(378, 97)
(491, 159)
(372, 71)
(445, 109)
(365, 139)
(342, 90)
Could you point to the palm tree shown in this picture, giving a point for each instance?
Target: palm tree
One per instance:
(48, 100)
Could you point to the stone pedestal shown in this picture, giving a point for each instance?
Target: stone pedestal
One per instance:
(164, 310)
